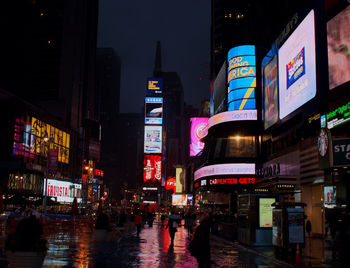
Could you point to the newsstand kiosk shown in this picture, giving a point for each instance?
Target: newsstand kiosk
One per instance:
(288, 228)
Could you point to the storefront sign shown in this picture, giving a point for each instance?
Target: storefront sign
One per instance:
(269, 171)
(231, 181)
(341, 152)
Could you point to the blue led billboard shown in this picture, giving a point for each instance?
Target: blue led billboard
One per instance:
(241, 78)
(154, 85)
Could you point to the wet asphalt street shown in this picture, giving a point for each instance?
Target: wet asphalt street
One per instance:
(73, 244)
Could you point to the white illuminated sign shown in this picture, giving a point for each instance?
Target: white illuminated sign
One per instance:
(64, 191)
(153, 139)
(150, 188)
(224, 169)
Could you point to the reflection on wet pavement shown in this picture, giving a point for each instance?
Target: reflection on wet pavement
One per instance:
(72, 244)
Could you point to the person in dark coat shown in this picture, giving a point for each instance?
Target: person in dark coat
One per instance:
(173, 223)
(28, 233)
(102, 222)
(200, 244)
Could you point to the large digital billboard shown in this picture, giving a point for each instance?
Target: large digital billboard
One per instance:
(63, 191)
(154, 85)
(153, 110)
(270, 86)
(198, 126)
(338, 34)
(152, 168)
(297, 67)
(241, 78)
(181, 199)
(29, 139)
(153, 139)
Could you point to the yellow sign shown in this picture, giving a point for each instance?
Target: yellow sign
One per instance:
(179, 180)
(241, 72)
(153, 85)
(58, 140)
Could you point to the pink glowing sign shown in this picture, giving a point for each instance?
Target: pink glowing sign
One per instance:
(198, 126)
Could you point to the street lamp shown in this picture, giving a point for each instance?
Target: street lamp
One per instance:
(48, 141)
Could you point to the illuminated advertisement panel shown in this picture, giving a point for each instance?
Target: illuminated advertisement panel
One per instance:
(270, 82)
(171, 184)
(265, 212)
(153, 110)
(330, 196)
(154, 85)
(153, 139)
(152, 168)
(181, 199)
(29, 139)
(179, 179)
(241, 78)
(297, 67)
(338, 116)
(225, 169)
(338, 36)
(198, 126)
(63, 191)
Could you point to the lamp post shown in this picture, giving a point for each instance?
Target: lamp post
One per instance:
(48, 141)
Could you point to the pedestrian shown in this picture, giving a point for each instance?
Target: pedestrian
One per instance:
(173, 223)
(102, 222)
(138, 222)
(162, 218)
(189, 223)
(200, 243)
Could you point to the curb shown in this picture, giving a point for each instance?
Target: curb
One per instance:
(250, 250)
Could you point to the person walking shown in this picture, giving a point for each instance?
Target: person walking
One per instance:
(138, 222)
(200, 243)
(173, 223)
(162, 218)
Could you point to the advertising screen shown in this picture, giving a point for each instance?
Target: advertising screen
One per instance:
(241, 78)
(154, 85)
(181, 199)
(270, 81)
(297, 67)
(153, 139)
(153, 110)
(330, 197)
(63, 191)
(265, 212)
(152, 168)
(198, 125)
(338, 35)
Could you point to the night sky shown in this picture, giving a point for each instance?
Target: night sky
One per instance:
(132, 28)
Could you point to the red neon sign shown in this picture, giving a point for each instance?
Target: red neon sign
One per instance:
(232, 181)
(171, 184)
(152, 168)
(99, 172)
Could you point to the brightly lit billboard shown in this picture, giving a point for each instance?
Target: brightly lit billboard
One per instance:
(225, 169)
(180, 179)
(270, 86)
(338, 34)
(153, 110)
(154, 85)
(153, 139)
(29, 139)
(265, 212)
(198, 126)
(241, 78)
(152, 168)
(297, 67)
(181, 199)
(63, 191)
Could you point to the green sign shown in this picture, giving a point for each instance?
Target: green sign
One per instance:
(338, 116)
(341, 152)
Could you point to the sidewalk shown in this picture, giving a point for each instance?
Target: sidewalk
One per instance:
(318, 252)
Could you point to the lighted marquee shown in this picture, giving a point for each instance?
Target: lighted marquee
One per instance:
(241, 78)
(63, 191)
(225, 169)
(198, 128)
(338, 116)
(297, 67)
(153, 110)
(152, 168)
